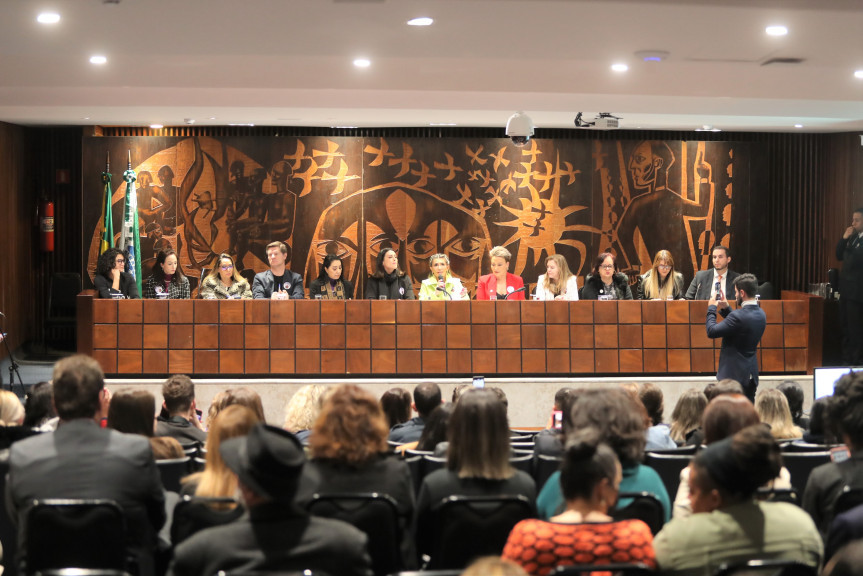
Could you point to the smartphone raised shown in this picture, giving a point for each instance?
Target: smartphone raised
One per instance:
(479, 381)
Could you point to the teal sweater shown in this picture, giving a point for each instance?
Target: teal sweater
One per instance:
(638, 478)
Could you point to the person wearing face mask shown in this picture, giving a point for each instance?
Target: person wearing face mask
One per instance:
(606, 282)
(388, 281)
(441, 284)
(167, 281)
(278, 283)
(500, 284)
(330, 283)
(558, 283)
(741, 331)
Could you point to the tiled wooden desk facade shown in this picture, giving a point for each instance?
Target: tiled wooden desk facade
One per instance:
(364, 337)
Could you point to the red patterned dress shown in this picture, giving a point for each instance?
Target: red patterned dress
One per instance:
(540, 546)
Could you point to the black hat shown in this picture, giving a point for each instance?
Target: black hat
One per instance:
(269, 461)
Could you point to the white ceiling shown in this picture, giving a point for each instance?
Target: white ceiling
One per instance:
(289, 62)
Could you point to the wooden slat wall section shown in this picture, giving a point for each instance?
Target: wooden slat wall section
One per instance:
(17, 236)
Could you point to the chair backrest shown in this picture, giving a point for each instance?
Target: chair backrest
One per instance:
(643, 506)
(172, 471)
(75, 534)
(543, 467)
(464, 528)
(789, 495)
(680, 450)
(765, 291)
(65, 287)
(523, 462)
(193, 514)
(432, 463)
(375, 514)
(521, 445)
(82, 572)
(805, 447)
(848, 499)
(801, 464)
(525, 434)
(204, 273)
(766, 568)
(249, 275)
(668, 466)
(429, 573)
(415, 466)
(8, 530)
(615, 569)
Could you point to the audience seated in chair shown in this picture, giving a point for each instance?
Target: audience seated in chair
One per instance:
(427, 397)
(275, 535)
(583, 533)
(613, 412)
(828, 481)
(728, 524)
(302, 410)
(349, 454)
(181, 421)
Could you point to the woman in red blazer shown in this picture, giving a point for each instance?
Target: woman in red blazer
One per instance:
(500, 284)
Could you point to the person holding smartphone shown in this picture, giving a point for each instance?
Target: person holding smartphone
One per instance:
(182, 420)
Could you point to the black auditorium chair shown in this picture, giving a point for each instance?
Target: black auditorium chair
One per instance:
(172, 471)
(668, 466)
(789, 495)
(616, 569)
(848, 499)
(463, 528)
(195, 513)
(805, 447)
(766, 568)
(375, 514)
(801, 464)
(644, 506)
(523, 462)
(428, 573)
(415, 466)
(543, 467)
(67, 533)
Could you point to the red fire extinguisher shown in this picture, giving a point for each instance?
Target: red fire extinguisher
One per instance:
(46, 225)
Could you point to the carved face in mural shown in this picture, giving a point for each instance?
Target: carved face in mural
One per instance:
(643, 165)
(410, 221)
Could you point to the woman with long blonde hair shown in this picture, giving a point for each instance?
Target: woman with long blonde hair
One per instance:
(772, 408)
(687, 414)
(662, 281)
(217, 480)
(302, 410)
(558, 282)
(224, 282)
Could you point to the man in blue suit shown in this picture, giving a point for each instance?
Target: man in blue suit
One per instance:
(741, 331)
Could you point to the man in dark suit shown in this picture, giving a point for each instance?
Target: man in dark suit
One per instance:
(849, 251)
(181, 421)
(84, 461)
(427, 397)
(741, 331)
(275, 535)
(278, 283)
(703, 286)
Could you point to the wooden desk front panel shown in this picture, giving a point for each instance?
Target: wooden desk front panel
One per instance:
(365, 337)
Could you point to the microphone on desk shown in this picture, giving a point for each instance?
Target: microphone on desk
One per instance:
(516, 291)
(441, 287)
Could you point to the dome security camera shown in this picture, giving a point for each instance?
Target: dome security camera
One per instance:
(519, 128)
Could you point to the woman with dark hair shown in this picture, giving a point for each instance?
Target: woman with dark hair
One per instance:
(728, 524)
(111, 279)
(396, 404)
(388, 281)
(224, 282)
(39, 409)
(349, 453)
(167, 280)
(621, 424)
(330, 283)
(132, 412)
(658, 433)
(819, 430)
(662, 281)
(606, 282)
(433, 438)
(583, 533)
(725, 416)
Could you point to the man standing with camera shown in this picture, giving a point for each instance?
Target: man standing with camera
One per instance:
(741, 331)
(849, 251)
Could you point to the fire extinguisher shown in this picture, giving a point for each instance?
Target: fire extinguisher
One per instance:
(46, 225)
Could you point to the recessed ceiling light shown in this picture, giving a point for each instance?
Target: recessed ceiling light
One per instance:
(442, 124)
(858, 73)
(652, 55)
(707, 128)
(85, 118)
(156, 126)
(241, 124)
(212, 117)
(423, 21)
(619, 67)
(48, 18)
(362, 63)
(776, 30)
(98, 60)
(798, 125)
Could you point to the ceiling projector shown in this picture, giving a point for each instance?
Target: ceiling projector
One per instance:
(603, 121)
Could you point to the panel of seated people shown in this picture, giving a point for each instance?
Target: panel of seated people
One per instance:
(423, 337)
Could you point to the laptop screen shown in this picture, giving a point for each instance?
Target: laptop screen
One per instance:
(824, 379)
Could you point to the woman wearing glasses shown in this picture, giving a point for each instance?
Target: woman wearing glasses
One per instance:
(111, 280)
(662, 282)
(606, 282)
(225, 283)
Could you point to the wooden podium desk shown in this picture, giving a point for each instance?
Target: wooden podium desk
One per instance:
(412, 338)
